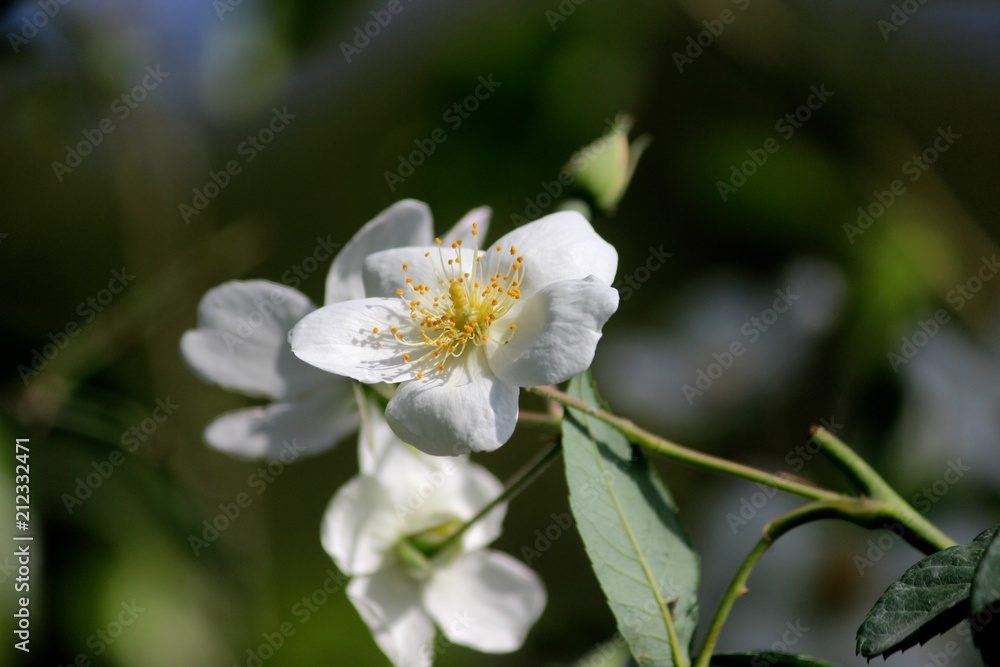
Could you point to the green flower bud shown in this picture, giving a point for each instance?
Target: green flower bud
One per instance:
(605, 166)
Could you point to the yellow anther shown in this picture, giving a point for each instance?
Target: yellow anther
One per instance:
(374, 329)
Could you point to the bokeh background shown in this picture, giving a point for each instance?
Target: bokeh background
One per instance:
(900, 76)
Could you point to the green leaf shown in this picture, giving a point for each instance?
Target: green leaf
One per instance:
(929, 598)
(632, 534)
(765, 659)
(985, 604)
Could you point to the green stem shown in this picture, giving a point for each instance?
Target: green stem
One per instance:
(737, 587)
(884, 508)
(541, 419)
(921, 532)
(682, 454)
(517, 483)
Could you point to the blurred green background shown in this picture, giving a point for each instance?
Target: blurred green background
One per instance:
(713, 83)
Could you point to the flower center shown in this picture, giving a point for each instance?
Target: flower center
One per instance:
(417, 551)
(460, 305)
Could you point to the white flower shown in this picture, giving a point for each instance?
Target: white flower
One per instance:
(241, 344)
(379, 528)
(462, 329)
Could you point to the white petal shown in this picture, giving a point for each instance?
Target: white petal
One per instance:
(341, 338)
(383, 271)
(462, 231)
(241, 340)
(466, 492)
(405, 223)
(283, 431)
(375, 438)
(359, 527)
(561, 246)
(486, 600)
(429, 490)
(389, 603)
(383, 455)
(557, 333)
(426, 490)
(470, 409)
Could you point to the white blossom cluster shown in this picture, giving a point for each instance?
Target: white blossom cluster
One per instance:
(458, 327)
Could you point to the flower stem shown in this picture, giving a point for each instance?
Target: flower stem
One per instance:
(682, 454)
(882, 509)
(514, 486)
(921, 532)
(737, 587)
(542, 420)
